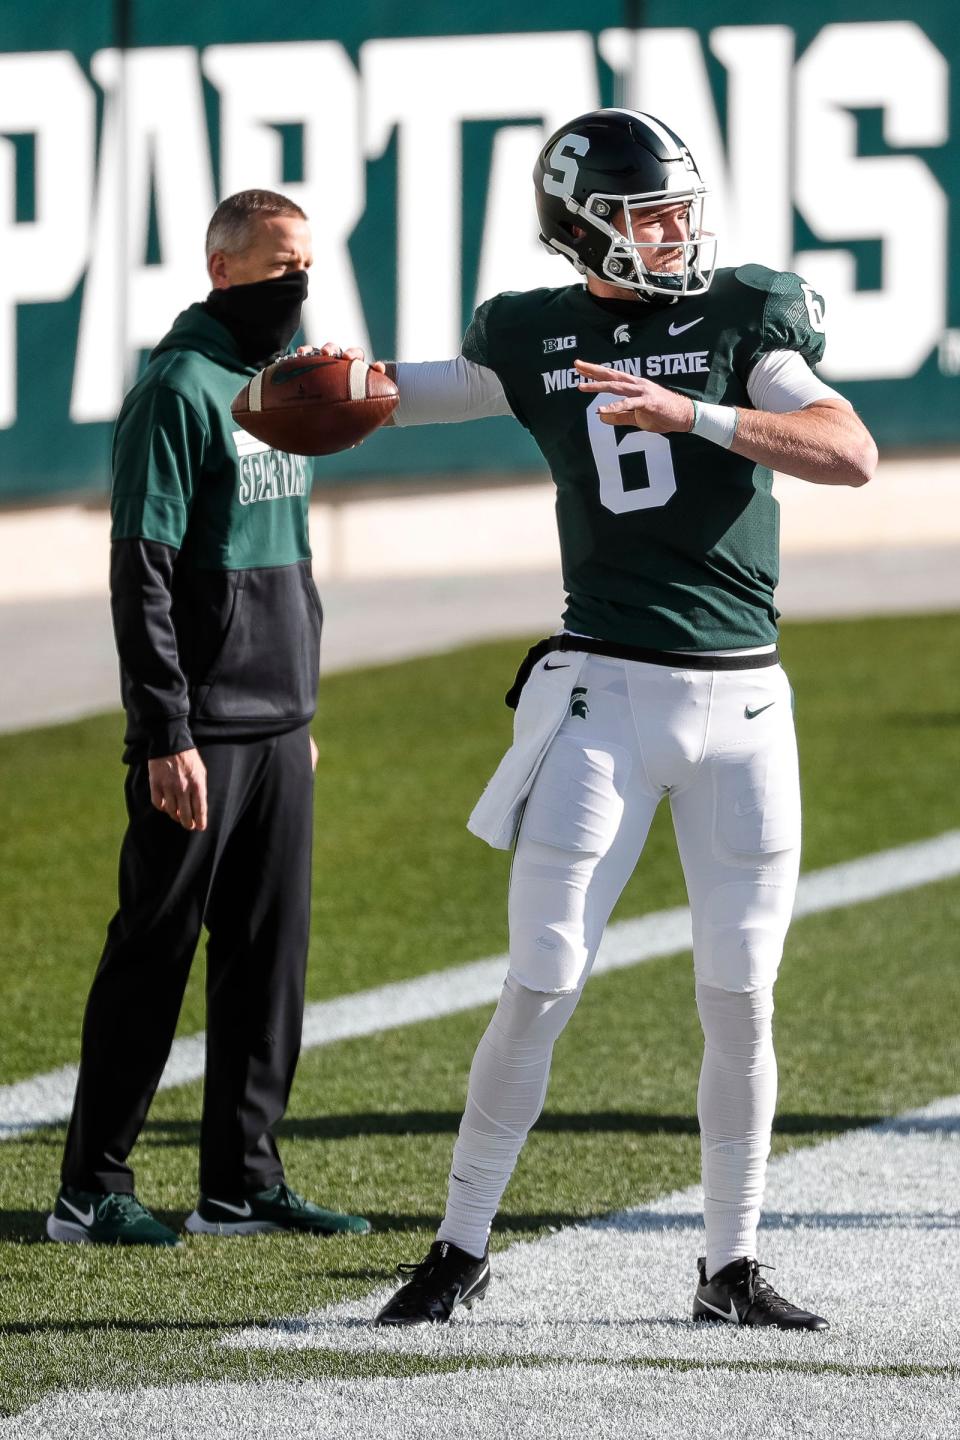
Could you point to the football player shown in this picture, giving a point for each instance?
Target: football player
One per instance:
(662, 393)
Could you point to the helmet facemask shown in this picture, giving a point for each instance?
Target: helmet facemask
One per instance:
(618, 258)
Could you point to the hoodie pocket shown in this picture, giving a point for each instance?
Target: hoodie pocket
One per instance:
(268, 664)
(221, 653)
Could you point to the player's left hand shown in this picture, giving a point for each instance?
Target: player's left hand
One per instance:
(644, 404)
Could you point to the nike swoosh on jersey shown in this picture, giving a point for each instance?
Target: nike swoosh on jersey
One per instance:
(733, 1317)
(674, 329)
(243, 1209)
(85, 1217)
(548, 666)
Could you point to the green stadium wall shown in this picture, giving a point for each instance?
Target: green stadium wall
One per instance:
(408, 134)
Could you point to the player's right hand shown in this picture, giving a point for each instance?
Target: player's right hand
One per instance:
(178, 787)
(330, 347)
(637, 401)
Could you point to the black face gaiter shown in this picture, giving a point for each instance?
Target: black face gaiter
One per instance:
(263, 317)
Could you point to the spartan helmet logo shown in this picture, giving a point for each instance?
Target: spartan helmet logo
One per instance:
(622, 335)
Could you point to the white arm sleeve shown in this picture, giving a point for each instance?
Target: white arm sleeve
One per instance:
(437, 392)
(782, 381)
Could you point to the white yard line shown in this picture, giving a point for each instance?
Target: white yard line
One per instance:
(568, 1402)
(47, 1099)
(863, 1227)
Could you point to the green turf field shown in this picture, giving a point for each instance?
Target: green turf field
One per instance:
(866, 1003)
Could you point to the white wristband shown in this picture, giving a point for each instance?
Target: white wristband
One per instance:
(715, 422)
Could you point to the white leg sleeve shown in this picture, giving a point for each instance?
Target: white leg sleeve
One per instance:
(735, 1105)
(508, 1083)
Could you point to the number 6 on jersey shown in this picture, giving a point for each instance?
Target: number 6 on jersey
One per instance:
(607, 451)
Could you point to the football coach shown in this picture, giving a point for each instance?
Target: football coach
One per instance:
(217, 624)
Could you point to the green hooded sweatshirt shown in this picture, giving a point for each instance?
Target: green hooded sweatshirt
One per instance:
(215, 611)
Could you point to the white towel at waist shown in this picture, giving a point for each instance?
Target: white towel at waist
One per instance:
(544, 704)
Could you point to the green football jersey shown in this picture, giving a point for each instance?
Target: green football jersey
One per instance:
(667, 541)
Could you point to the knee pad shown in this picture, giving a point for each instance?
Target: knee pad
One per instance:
(548, 958)
(547, 908)
(739, 939)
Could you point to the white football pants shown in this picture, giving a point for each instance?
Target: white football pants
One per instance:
(721, 745)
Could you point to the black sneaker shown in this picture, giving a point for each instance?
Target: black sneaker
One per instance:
(278, 1208)
(739, 1295)
(90, 1217)
(448, 1277)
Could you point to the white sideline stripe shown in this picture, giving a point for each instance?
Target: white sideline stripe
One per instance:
(549, 1402)
(583, 1306)
(48, 1098)
(838, 1217)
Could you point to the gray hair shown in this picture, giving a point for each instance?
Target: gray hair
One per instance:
(232, 222)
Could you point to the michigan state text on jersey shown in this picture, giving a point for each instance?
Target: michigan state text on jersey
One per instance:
(662, 393)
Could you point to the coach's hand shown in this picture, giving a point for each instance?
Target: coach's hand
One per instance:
(644, 404)
(178, 787)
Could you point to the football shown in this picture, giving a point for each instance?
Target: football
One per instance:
(315, 404)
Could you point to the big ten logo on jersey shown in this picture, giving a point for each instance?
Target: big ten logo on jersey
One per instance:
(106, 187)
(267, 474)
(559, 342)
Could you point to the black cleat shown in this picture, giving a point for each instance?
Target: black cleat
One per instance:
(448, 1277)
(739, 1295)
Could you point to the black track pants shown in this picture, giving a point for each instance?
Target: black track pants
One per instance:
(247, 878)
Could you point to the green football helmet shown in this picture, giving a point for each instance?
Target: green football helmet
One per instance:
(620, 165)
